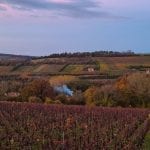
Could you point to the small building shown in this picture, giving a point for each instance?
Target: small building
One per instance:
(148, 72)
(12, 94)
(91, 69)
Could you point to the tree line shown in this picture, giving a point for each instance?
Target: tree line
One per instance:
(90, 54)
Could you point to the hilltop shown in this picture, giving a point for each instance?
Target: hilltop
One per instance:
(104, 63)
(14, 57)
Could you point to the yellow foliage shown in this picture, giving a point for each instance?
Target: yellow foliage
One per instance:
(104, 67)
(91, 95)
(60, 80)
(121, 84)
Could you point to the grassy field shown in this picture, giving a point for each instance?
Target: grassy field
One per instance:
(5, 69)
(76, 69)
(101, 65)
(48, 68)
(125, 60)
(43, 68)
(120, 65)
(79, 69)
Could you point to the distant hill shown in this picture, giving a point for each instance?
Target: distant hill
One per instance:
(93, 67)
(11, 57)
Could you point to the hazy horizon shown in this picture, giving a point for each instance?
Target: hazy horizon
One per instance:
(43, 27)
(36, 55)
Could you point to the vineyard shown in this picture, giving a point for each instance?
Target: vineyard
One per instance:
(37, 126)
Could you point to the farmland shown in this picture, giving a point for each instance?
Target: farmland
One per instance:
(75, 103)
(113, 71)
(105, 64)
(78, 66)
(43, 68)
(97, 70)
(32, 126)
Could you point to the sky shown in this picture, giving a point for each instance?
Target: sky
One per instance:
(43, 27)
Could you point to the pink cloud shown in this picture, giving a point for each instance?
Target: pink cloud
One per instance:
(61, 1)
(4, 6)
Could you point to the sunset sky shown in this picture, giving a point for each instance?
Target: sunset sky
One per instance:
(41, 27)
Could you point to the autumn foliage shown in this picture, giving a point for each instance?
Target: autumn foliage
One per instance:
(131, 90)
(38, 88)
(37, 126)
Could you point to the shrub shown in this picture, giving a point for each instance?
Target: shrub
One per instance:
(92, 96)
(57, 102)
(133, 90)
(79, 85)
(49, 101)
(76, 99)
(34, 99)
(38, 88)
(62, 98)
